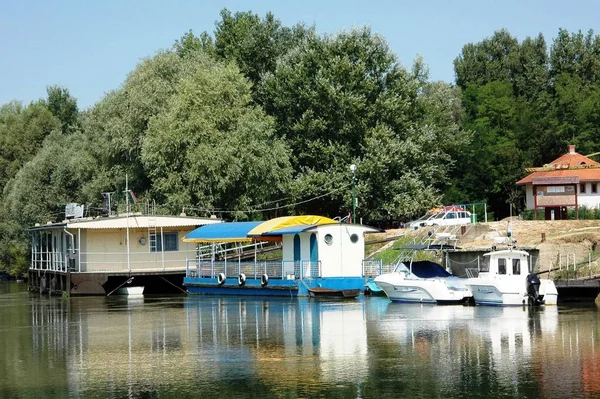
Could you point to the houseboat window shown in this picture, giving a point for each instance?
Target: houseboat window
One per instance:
(328, 239)
(594, 188)
(354, 238)
(501, 266)
(582, 188)
(516, 266)
(170, 240)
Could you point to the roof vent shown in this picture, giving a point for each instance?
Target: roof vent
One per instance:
(571, 148)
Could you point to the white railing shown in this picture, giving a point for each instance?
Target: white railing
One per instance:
(274, 269)
(111, 261)
(49, 260)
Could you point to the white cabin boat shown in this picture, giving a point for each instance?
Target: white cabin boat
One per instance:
(423, 282)
(504, 279)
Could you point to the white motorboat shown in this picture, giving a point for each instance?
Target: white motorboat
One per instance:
(423, 282)
(504, 279)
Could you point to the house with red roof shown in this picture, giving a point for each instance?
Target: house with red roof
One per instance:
(571, 180)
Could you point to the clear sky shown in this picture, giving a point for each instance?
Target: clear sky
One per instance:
(90, 46)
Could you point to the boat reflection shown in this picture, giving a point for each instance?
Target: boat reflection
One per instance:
(214, 346)
(207, 341)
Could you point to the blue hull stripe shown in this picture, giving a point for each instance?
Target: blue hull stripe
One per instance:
(275, 287)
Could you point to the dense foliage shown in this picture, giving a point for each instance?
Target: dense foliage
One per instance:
(524, 104)
(257, 120)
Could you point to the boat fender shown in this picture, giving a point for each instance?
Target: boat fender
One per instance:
(264, 280)
(221, 278)
(241, 279)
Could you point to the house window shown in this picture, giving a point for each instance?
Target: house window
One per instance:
(170, 241)
(582, 188)
(594, 188)
(501, 266)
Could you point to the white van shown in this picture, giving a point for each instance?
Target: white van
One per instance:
(446, 216)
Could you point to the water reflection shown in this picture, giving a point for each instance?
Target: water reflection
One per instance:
(197, 346)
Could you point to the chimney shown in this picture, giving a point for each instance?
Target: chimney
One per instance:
(571, 148)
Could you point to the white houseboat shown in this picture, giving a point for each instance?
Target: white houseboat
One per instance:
(320, 257)
(97, 256)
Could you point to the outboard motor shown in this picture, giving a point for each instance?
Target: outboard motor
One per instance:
(533, 290)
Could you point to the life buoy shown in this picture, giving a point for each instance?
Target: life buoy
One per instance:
(264, 280)
(221, 278)
(241, 279)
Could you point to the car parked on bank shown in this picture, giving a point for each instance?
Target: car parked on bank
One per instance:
(445, 216)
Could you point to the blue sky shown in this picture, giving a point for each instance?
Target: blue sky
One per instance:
(90, 46)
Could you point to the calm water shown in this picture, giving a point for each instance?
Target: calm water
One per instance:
(190, 346)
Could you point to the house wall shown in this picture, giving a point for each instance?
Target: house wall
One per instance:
(529, 196)
(588, 199)
(106, 250)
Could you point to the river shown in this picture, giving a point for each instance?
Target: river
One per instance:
(201, 346)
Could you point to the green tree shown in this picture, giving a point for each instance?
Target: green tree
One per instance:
(190, 44)
(255, 43)
(63, 106)
(335, 99)
(210, 148)
(22, 131)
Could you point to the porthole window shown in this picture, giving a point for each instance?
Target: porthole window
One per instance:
(328, 239)
(354, 238)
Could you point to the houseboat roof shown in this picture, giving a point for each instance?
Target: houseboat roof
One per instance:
(289, 221)
(270, 230)
(222, 232)
(133, 221)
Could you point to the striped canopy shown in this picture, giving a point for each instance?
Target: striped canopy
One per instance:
(270, 230)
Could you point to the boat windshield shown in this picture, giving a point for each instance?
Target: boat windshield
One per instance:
(428, 269)
(401, 268)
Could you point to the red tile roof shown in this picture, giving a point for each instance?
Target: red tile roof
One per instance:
(571, 164)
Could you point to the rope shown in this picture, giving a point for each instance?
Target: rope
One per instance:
(181, 289)
(128, 281)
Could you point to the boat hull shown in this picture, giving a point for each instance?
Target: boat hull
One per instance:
(436, 291)
(275, 287)
(509, 292)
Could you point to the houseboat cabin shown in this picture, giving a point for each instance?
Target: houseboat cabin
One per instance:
(87, 256)
(319, 256)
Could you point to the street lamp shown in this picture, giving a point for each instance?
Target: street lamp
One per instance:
(353, 170)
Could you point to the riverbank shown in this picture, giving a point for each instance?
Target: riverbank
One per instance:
(555, 239)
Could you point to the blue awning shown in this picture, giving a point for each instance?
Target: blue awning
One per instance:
(222, 232)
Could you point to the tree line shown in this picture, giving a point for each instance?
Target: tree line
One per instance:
(257, 120)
